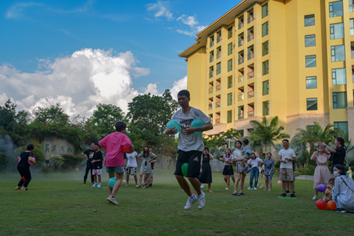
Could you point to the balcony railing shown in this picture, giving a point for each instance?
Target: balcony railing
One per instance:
(250, 19)
(218, 87)
(240, 25)
(211, 90)
(251, 94)
(217, 104)
(240, 60)
(240, 43)
(250, 37)
(217, 121)
(251, 114)
(240, 116)
(250, 56)
(240, 78)
(211, 75)
(241, 97)
(250, 75)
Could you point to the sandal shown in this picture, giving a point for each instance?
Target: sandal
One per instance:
(241, 194)
(235, 194)
(17, 188)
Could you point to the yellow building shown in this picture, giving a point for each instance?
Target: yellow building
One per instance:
(293, 59)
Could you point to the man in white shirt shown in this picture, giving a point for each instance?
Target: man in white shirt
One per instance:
(286, 157)
(132, 164)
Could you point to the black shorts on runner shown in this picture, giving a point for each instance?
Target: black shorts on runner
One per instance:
(193, 160)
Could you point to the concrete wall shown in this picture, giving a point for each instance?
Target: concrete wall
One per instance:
(56, 146)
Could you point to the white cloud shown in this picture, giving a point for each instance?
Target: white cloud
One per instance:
(152, 89)
(178, 86)
(15, 11)
(160, 9)
(192, 22)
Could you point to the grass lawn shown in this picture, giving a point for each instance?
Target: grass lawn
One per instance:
(59, 204)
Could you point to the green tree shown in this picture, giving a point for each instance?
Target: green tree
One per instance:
(53, 113)
(7, 116)
(220, 139)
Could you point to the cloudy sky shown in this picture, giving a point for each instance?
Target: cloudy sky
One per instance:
(81, 53)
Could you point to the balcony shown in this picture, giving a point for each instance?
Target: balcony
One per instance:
(240, 116)
(240, 78)
(217, 121)
(250, 19)
(210, 75)
(211, 59)
(211, 90)
(250, 56)
(218, 39)
(251, 94)
(240, 43)
(217, 104)
(241, 97)
(250, 37)
(240, 60)
(250, 75)
(218, 71)
(251, 114)
(218, 87)
(218, 55)
(240, 25)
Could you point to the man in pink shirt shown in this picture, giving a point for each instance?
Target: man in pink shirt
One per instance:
(114, 162)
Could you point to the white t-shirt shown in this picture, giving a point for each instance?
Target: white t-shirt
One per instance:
(286, 154)
(236, 154)
(131, 157)
(254, 163)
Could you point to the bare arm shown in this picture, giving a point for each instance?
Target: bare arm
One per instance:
(314, 156)
(84, 155)
(326, 146)
(190, 130)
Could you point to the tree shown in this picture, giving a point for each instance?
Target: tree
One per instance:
(219, 140)
(7, 116)
(51, 113)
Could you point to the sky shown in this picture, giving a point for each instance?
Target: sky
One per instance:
(83, 52)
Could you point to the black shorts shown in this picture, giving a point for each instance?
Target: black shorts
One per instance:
(193, 160)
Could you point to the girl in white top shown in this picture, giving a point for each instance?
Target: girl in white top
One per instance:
(240, 168)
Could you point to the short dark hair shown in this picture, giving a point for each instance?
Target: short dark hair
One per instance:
(269, 153)
(30, 147)
(120, 126)
(184, 93)
(341, 168)
(238, 141)
(331, 180)
(206, 148)
(245, 141)
(97, 144)
(286, 140)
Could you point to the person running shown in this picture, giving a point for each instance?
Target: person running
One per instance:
(190, 147)
(322, 174)
(240, 168)
(88, 154)
(114, 162)
(23, 165)
(286, 157)
(338, 154)
(97, 166)
(130, 169)
(146, 156)
(228, 168)
(268, 171)
(205, 176)
(254, 163)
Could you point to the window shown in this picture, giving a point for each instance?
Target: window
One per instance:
(337, 53)
(218, 52)
(311, 82)
(265, 67)
(338, 76)
(310, 40)
(240, 57)
(250, 52)
(265, 86)
(337, 31)
(339, 100)
(229, 32)
(265, 48)
(218, 36)
(311, 104)
(229, 49)
(265, 10)
(229, 116)
(265, 108)
(211, 56)
(250, 16)
(265, 29)
(240, 22)
(229, 65)
(229, 99)
(311, 61)
(229, 81)
(211, 71)
(309, 20)
(240, 112)
(240, 40)
(351, 26)
(335, 9)
(211, 41)
(341, 125)
(218, 68)
(351, 5)
(250, 34)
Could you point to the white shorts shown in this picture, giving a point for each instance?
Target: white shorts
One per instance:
(97, 172)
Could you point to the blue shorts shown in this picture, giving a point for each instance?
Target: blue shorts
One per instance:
(116, 169)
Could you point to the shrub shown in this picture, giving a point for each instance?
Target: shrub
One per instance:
(37, 153)
(56, 161)
(72, 161)
(307, 170)
(3, 161)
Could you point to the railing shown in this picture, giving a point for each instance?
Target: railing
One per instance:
(217, 104)
(250, 19)
(240, 25)
(251, 114)
(251, 94)
(250, 37)
(240, 43)
(218, 71)
(241, 97)
(217, 121)
(212, 59)
(240, 78)
(211, 43)
(240, 60)
(250, 56)
(218, 87)
(240, 116)
(211, 90)
(210, 75)
(250, 75)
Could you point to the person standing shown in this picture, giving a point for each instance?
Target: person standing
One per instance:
(269, 171)
(88, 154)
(146, 156)
(23, 167)
(205, 176)
(254, 163)
(228, 168)
(130, 169)
(322, 174)
(286, 158)
(338, 154)
(240, 168)
(190, 147)
(97, 166)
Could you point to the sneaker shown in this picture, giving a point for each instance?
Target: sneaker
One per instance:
(201, 200)
(98, 185)
(249, 188)
(137, 186)
(283, 195)
(342, 210)
(145, 186)
(202, 186)
(315, 198)
(150, 185)
(190, 201)
(292, 195)
(112, 200)
(226, 188)
(287, 191)
(94, 185)
(255, 189)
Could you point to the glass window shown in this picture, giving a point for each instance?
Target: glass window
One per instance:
(218, 52)
(351, 26)
(335, 9)
(218, 68)
(351, 5)
(229, 116)
(265, 10)
(218, 36)
(265, 86)
(266, 108)
(211, 56)
(339, 100)
(211, 41)
(240, 22)
(265, 67)
(311, 104)
(265, 48)
(337, 53)
(229, 65)
(240, 40)
(229, 81)
(229, 99)
(240, 57)
(250, 34)
(338, 76)
(311, 82)
(229, 32)
(250, 52)
(309, 20)
(310, 40)
(311, 61)
(337, 31)
(229, 49)
(265, 29)
(211, 71)
(341, 125)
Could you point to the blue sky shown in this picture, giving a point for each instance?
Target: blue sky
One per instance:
(38, 39)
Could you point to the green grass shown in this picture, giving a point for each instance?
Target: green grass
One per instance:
(59, 204)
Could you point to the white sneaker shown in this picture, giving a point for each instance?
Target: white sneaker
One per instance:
(112, 200)
(226, 188)
(249, 188)
(202, 186)
(190, 201)
(255, 189)
(98, 185)
(94, 185)
(201, 200)
(315, 198)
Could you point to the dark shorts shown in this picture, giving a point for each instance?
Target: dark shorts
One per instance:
(193, 160)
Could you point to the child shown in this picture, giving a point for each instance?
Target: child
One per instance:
(114, 162)
(328, 193)
(97, 166)
(23, 167)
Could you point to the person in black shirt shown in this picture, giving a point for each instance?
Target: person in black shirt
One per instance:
(338, 154)
(97, 166)
(23, 167)
(88, 154)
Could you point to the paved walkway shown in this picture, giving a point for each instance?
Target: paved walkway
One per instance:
(305, 177)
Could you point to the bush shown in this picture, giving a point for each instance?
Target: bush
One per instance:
(307, 170)
(37, 153)
(3, 161)
(71, 161)
(56, 161)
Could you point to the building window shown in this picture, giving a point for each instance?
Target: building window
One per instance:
(339, 100)
(240, 112)
(229, 32)
(250, 34)
(341, 125)
(265, 86)
(311, 61)
(240, 22)
(240, 40)
(265, 48)
(265, 67)
(240, 57)
(229, 116)
(311, 104)
(311, 82)
(310, 40)
(337, 31)
(250, 52)
(351, 26)
(250, 16)
(218, 68)
(229, 99)
(211, 71)
(265, 29)
(229, 65)
(229, 81)
(211, 41)
(337, 53)
(339, 76)
(351, 5)
(229, 49)
(265, 10)
(218, 52)
(309, 20)
(218, 36)
(265, 108)
(335, 9)
(211, 56)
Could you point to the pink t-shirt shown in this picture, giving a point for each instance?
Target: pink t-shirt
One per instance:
(113, 144)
